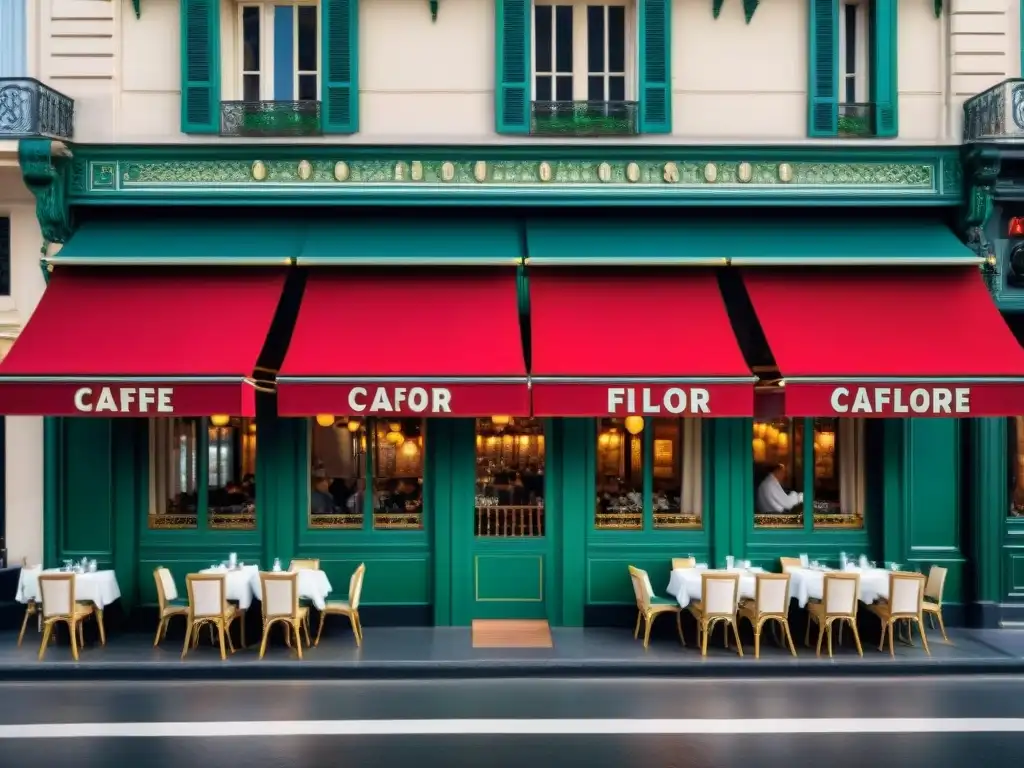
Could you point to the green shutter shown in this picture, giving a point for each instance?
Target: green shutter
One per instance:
(339, 47)
(823, 69)
(655, 66)
(513, 68)
(200, 66)
(884, 72)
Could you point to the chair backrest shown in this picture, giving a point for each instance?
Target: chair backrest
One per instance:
(308, 564)
(638, 588)
(789, 563)
(906, 594)
(57, 591)
(683, 562)
(165, 587)
(840, 594)
(355, 586)
(280, 594)
(720, 592)
(773, 593)
(646, 590)
(936, 583)
(206, 594)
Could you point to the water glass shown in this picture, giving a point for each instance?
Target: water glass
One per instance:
(277, 564)
(730, 561)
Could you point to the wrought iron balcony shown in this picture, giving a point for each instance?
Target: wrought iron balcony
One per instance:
(29, 109)
(584, 118)
(996, 114)
(856, 120)
(262, 119)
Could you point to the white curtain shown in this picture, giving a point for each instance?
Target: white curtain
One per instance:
(172, 461)
(850, 441)
(690, 495)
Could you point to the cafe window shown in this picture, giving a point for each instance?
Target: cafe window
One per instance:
(1015, 453)
(337, 489)
(509, 477)
(649, 474)
(174, 473)
(231, 474)
(827, 475)
(397, 470)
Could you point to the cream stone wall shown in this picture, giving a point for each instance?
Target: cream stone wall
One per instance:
(434, 81)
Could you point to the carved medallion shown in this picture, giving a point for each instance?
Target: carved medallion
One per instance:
(633, 173)
(416, 170)
(745, 172)
(305, 170)
(447, 171)
(341, 171)
(401, 171)
(604, 172)
(671, 173)
(710, 173)
(544, 171)
(785, 173)
(259, 170)
(480, 171)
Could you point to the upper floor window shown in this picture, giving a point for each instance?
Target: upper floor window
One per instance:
(278, 47)
(854, 29)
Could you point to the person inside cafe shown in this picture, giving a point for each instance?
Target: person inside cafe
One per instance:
(405, 497)
(320, 500)
(772, 497)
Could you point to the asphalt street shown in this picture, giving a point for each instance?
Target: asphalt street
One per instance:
(651, 723)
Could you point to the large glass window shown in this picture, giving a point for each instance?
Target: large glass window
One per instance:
(231, 469)
(1015, 453)
(398, 474)
(337, 492)
(648, 474)
(509, 477)
(278, 50)
(791, 476)
(174, 473)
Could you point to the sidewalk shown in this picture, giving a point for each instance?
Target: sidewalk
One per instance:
(448, 653)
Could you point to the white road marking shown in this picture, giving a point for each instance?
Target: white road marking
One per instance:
(534, 727)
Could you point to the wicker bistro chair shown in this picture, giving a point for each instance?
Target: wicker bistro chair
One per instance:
(31, 609)
(932, 604)
(281, 606)
(718, 603)
(167, 598)
(348, 607)
(649, 606)
(788, 563)
(905, 603)
(838, 604)
(683, 562)
(57, 591)
(770, 604)
(208, 604)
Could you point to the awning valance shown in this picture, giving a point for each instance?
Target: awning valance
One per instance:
(888, 343)
(142, 342)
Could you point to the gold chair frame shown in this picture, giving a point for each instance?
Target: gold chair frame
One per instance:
(309, 564)
(683, 562)
(889, 619)
(932, 605)
(349, 608)
(167, 611)
(294, 622)
(31, 609)
(751, 611)
(648, 610)
(789, 562)
(706, 622)
(221, 622)
(816, 612)
(73, 620)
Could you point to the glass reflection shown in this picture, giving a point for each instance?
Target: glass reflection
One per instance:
(509, 477)
(676, 473)
(337, 493)
(231, 475)
(398, 474)
(173, 491)
(620, 477)
(778, 473)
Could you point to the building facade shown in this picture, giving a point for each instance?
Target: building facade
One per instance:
(500, 296)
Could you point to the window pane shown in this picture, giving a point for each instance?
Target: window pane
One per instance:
(542, 88)
(231, 490)
(850, 21)
(398, 474)
(542, 38)
(778, 473)
(620, 477)
(307, 39)
(563, 88)
(337, 490)
(563, 38)
(595, 88)
(617, 88)
(1015, 452)
(595, 38)
(251, 38)
(616, 38)
(509, 478)
(839, 473)
(174, 446)
(677, 473)
(307, 88)
(250, 88)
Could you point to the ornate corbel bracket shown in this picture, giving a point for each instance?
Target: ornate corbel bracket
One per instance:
(137, 5)
(749, 6)
(433, 9)
(44, 165)
(981, 169)
(938, 8)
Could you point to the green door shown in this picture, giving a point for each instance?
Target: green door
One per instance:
(503, 532)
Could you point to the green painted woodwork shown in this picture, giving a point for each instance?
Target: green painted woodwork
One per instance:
(513, 21)
(200, 66)
(823, 69)
(339, 42)
(286, 175)
(883, 67)
(716, 240)
(989, 502)
(655, 66)
(411, 241)
(749, 7)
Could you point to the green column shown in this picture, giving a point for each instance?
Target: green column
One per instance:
(988, 504)
(731, 489)
(52, 472)
(893, 512)
(572, 486)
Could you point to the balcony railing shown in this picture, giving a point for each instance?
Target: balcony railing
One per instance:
(584, 118)
(262, 119)
(29, 109)
(856, 120)
(996, 114)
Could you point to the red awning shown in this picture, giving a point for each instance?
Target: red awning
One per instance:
(888, 342)
(142, 342)
(615, 342)
(406, 343)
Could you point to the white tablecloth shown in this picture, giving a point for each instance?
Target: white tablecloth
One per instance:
(809, 584)
(99, 588)
(685, 584)
(237, 583)
(313, 586)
